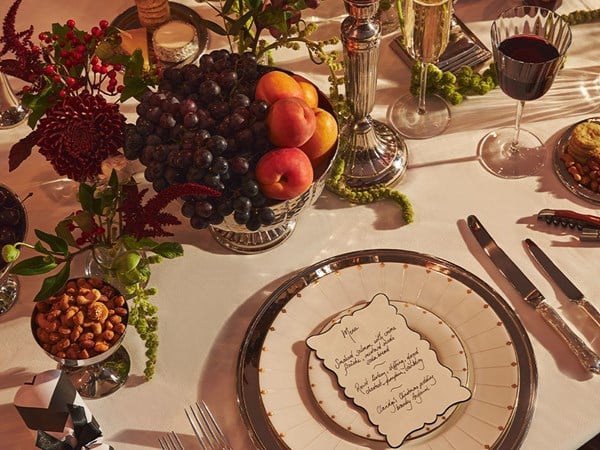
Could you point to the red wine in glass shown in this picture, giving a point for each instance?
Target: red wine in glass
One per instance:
(529, 46)
(526, 82)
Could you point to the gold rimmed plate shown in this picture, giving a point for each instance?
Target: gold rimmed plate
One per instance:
(279, 397)
(561, 170)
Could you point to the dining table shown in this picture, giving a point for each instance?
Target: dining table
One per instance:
(208, 299)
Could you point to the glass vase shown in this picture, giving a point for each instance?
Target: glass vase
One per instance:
(107, 264)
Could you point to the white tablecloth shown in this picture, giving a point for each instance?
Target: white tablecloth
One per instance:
(208, 297)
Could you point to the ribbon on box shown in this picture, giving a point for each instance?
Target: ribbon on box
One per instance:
(51, 405)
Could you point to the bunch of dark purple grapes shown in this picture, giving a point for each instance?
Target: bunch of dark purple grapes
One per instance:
(202, 125)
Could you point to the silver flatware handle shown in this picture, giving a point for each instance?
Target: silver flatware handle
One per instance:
(590, 310)
(586, 356)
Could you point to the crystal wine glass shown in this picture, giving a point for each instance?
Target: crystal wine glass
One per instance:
(529, 44)
(75, 345)
(425, 26)
(13, 227)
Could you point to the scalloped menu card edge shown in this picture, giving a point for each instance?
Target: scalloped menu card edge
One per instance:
(388, 369)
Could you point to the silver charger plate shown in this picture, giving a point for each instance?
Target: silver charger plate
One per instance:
(561, 170)
(274, 393)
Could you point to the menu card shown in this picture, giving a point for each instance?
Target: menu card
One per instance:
(388, 369)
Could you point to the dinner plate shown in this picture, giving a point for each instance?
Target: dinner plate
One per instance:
(275, 395)
(561, 170)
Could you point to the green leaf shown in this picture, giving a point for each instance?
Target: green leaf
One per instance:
(53, 284)
(85, 220)
(226, 8)
(169, 250)
(56, 243)
(113, 182)
(86, 197)
(131, 243)
(39, 247)
(36, 265)
(62, 231)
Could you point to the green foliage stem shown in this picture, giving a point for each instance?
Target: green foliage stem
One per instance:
(371, 194)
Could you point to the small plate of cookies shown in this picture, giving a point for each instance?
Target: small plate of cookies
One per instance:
(577, 159)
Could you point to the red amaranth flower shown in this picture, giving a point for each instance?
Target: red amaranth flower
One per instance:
(149, 220)
(80, 132)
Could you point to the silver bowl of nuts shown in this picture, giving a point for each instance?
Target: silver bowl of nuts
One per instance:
(82, 327)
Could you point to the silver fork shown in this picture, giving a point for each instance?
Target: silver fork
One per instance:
(170, 442)
(205, 428)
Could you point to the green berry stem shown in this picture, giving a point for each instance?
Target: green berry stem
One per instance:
(337, 184)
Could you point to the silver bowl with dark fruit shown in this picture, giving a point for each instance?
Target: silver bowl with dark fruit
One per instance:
(205, 124)
(246, 239)
(13, 228)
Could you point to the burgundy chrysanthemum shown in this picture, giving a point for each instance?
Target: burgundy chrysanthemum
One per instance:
(80, 132)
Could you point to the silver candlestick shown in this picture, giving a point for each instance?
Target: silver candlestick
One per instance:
(373, 152)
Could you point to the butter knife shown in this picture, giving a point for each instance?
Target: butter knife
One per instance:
(569, 289)
(585, 355)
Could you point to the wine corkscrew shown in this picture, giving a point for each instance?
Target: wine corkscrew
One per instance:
(588, 225)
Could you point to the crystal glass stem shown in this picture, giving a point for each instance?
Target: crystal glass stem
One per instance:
(373, 152)
(514, 145)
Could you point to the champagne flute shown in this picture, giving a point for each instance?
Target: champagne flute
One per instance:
(425, 26)
(529, 44)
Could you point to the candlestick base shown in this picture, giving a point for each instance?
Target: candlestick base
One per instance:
(373, 154)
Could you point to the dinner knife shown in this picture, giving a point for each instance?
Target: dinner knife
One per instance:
(585, 355)
(568, 288)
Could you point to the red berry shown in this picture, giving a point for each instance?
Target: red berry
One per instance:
(62, 94)
(70, 81)
(71, 23)
(43, 36)
(56, 79)
(120, 88)
(49, 69)
(95, 31)
(104, 24)
(95, 60)
(118, 67)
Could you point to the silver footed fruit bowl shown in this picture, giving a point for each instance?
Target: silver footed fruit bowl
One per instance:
(240, 239)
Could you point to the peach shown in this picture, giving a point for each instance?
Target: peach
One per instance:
(290, 122)
(311, 96)
(275, 85)
(284, 173)
(321, 144)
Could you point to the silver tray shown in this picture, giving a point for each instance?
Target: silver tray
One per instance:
(276, 336)
(561, 170)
